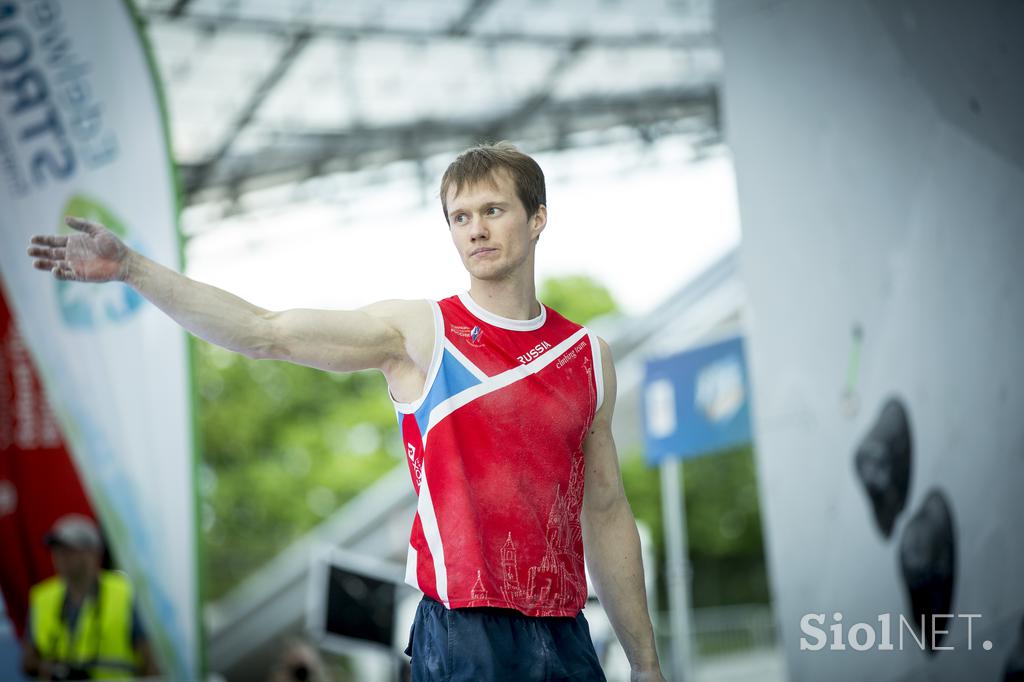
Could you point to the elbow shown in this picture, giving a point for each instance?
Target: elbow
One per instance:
(259, 349)
(259, 353)
(602, 507)
(263, 338)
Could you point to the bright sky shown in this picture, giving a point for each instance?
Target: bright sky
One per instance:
(642, 224)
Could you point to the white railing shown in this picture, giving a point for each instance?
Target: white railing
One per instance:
(721, 630)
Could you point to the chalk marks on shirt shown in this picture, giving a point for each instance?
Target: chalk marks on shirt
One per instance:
(558, 581)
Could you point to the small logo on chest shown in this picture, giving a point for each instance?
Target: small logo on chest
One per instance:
(533, 353)
(473, 335)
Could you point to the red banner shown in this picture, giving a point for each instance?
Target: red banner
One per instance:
(38, 480)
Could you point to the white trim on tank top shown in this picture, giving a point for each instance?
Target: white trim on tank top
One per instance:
(595, 348)
(435, 364)
(504, 322)
(432, 534)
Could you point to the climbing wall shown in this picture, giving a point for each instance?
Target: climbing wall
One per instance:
(879, 153)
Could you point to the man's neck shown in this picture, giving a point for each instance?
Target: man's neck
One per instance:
(516, 300)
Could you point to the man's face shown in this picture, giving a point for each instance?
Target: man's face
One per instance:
(490, 228)
(75, 565)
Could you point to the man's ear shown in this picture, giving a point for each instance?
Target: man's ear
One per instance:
(538, 221)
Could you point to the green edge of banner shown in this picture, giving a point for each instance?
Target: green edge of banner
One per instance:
(147, 49)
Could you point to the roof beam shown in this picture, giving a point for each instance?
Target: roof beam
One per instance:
(220, 22)
(542, 94)
(178, 8)
(473, 12)
(295, 156)
(291, 53)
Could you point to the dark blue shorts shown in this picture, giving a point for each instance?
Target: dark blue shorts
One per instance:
(484, 644)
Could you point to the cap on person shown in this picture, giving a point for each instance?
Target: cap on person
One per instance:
(74, 531)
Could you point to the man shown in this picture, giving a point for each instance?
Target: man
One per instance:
(81, 621)
(505, 409)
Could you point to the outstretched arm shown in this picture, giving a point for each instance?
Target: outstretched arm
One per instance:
(384, 335)
(611, 542)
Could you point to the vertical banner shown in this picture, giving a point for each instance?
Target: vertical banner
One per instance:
(38, 480)
(82, 132)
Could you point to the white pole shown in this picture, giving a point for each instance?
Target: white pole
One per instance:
(673, 510)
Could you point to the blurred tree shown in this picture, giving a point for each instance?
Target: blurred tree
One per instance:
(283, 447)
(723, 524)
(578, 297)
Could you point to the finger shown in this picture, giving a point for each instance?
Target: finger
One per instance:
(47, 253)
(50, 240)
(82, 225)
(63, 273)
(43, 264)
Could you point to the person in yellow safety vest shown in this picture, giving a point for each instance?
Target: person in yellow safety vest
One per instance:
(82, 623)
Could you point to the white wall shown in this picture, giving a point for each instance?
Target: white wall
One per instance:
(879, 150)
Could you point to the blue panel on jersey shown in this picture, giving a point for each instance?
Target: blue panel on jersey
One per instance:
(452, 378)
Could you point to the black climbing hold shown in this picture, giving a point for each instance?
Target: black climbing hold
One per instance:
(928, 561)
(883, 464)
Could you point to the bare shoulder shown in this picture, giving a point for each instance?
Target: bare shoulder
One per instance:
(413, 320)
(402, 311)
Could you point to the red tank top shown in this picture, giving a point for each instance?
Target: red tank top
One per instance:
(494, 447)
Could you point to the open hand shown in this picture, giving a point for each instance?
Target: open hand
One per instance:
(93, 255)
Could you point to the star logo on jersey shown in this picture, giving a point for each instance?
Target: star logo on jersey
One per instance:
(474, 336)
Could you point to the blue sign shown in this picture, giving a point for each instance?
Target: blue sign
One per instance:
(696, 402)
